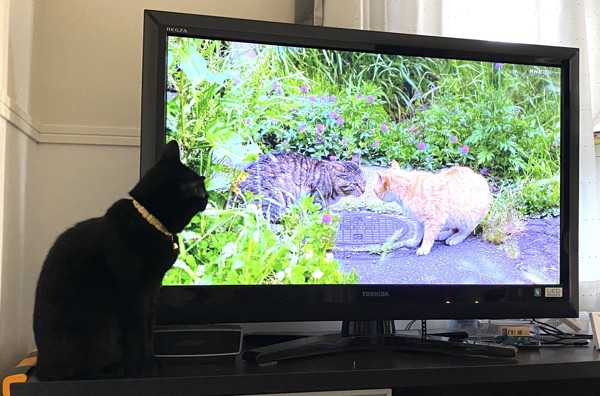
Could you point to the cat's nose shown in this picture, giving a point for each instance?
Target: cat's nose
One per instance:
(200, 192)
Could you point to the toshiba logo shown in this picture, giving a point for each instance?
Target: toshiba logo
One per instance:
(375, 294)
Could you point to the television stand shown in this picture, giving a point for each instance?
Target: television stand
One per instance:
(371, 335)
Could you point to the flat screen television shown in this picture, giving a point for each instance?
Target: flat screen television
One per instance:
(233, 90)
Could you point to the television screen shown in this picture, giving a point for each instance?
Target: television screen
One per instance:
(366, 173)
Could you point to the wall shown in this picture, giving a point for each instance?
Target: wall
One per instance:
(16, 148)
(69, 127)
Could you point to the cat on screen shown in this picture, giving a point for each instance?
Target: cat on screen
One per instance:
(93, 312)
(279, 178)
(456, 199)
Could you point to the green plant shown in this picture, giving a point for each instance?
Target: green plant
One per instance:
(503, 220)
(236, 100)
(239, 247)
(539, 198)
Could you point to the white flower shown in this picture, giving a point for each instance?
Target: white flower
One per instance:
(317, 274)
(256, 235)
(229, 249)
(180, 264)
(293, 259)
(200, 270)
(280, 275)
(187, 235)
(308, 253)
(329, 257)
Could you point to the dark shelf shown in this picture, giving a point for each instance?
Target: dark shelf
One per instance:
(551, 369)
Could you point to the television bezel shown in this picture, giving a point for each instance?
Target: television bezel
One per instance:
(279, 303)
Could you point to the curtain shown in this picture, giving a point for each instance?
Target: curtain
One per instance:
(570, 23)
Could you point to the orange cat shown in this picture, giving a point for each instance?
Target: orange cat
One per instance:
(456, 198)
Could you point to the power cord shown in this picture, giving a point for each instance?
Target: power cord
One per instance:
(552, 336)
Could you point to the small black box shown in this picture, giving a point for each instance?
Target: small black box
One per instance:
(197, 341)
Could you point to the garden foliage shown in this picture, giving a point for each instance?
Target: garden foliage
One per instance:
(229, 102)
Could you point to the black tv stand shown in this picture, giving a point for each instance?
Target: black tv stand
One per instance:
(371, 335)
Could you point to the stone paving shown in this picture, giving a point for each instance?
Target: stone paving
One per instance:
(533, 257)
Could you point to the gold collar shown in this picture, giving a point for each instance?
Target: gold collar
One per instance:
(154, 221)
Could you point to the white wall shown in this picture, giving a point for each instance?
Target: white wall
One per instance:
(70, 73)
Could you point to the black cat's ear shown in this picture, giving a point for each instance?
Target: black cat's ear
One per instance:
(171, 152)
(356, 158)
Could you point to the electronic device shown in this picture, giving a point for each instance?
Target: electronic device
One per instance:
(230, 89)
(200, 341)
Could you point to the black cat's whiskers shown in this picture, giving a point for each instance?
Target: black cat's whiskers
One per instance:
(149, 217)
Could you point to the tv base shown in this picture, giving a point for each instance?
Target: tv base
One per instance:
(385, 340)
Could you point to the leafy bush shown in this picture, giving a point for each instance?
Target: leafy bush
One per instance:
(239, 246)
(504, 220)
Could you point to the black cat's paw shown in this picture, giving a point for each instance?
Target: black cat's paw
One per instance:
(149, 367)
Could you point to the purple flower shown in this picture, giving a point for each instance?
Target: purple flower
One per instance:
(326, 218)
(359, 96)
(498, 66)
(302, 127)
(376, 143)
(320, 138)
(416, 94)
(332, 158)
(279, 91)
(333, 114)
(303, 89)
(275, 85)
(465, 149)
(484, 171)
(370, 99)
(312, 98)
(384, 128)
(332, 98)
(273, 120)
(453, 139)
(421, 146)
(340, 120)
(435, 88)
(320, 127)
(344, 141)
(248, 121)
(365, 118)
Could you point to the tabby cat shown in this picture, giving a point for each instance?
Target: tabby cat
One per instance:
(94, 300)
(280, 177)
(456, 198)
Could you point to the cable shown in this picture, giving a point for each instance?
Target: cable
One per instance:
(552, 335)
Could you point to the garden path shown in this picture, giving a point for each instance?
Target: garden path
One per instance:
(473, 261)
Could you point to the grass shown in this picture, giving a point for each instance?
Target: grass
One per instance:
(503, 220)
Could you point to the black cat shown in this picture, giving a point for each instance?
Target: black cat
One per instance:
(94, 300)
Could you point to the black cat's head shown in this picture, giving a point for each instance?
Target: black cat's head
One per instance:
(171, 191)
